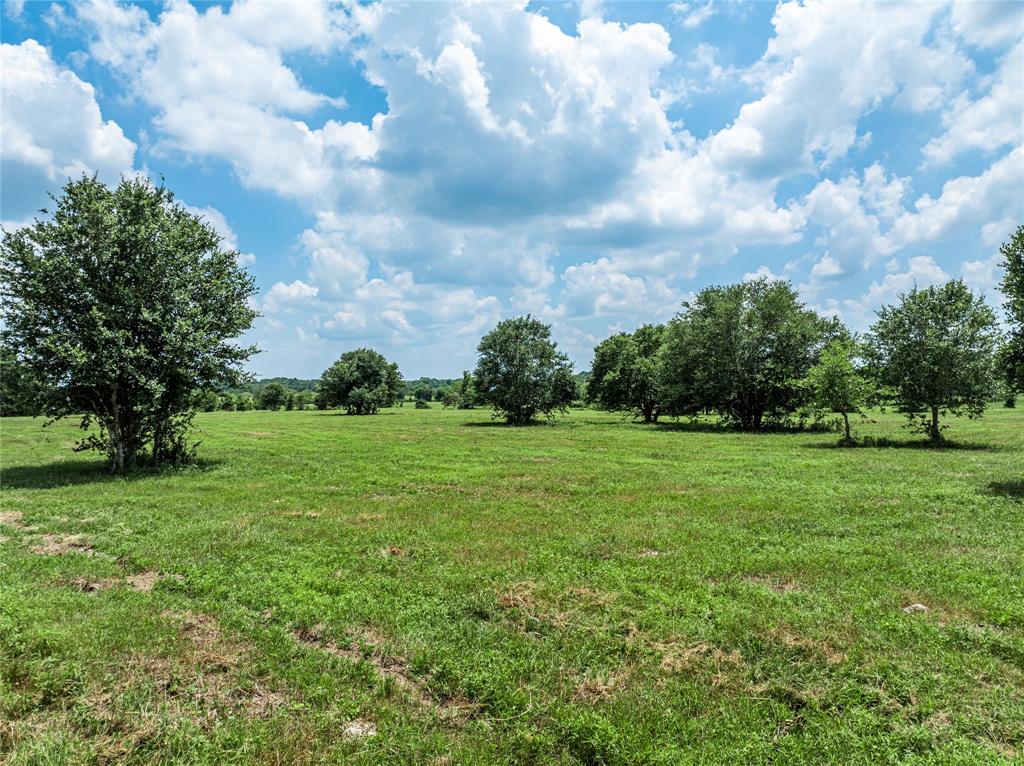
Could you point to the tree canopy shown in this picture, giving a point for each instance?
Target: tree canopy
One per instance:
(741, 350)
(934, 352)
(521, 373)
(121, 305)
(1013, 290)
(624, 375)
(837, 385)
(361, 382)
(273, 396)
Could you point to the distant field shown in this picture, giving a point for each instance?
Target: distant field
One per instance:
(429, 587)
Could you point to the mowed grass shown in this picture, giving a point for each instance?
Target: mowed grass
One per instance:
(430, 587)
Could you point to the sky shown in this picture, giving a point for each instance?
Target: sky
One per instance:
(404, 176)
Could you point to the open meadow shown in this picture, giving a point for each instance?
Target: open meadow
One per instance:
(428, 586)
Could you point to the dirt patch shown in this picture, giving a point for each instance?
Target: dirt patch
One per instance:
(299, 514)
(808, 647)
(60, 545)
(598, 688)
(393, 551)
(364, 518)
(12, 519)
(678, 657)
(777, 584)
(394, 669)
(143, 582)
(93, 584)
(359, 728)
(649, 553)
(520, 596)
(4, 539)
(260, 434)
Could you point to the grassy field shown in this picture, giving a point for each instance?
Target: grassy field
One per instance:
(429, 587)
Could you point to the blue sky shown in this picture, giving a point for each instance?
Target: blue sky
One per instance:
(403, 176)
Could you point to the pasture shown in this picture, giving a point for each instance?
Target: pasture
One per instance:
(430, 587)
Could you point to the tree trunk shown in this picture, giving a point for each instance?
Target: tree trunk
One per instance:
(934, 431)
(116, 434)
(846, 423)
(648, 412)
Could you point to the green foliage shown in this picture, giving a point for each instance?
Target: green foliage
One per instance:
(935, 354)
(422, 404)
(121, 305)
(1012, 361)
(466, 391)
(361, 382)
(423, 393)
(624, 376)
(837, 385)
(208, 401)
(521, 373)
(741, 351)
(273, 396)
(19, 391)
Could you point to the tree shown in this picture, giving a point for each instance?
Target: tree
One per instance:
(361, 381)
(465, 388)
(837, 385)
(741, 351)
(19, 393)
(122, 304)
(207, 401)
(423, 393)
(1012, 359)
(935, 352)
(272, 396)
(624, 376)
(521, 373)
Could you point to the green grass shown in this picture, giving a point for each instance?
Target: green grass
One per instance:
(592, 591)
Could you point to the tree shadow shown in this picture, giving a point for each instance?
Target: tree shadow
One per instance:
(503, 424)
(921, 444)
(693, 426)
(70, 473)
(1012, 490)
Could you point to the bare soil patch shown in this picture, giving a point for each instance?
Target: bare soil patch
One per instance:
(12, 519)
(142, 582)
(51, 544)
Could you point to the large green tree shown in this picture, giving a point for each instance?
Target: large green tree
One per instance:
(1012, 357)
(742, 350)
(122, 304)
(934, 353)
(361, 382)
(521, 373)
(624, 375)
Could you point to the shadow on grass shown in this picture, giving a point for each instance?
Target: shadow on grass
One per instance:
(1012, 490)
(922, 444)
(503, 424)
(69, 473)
